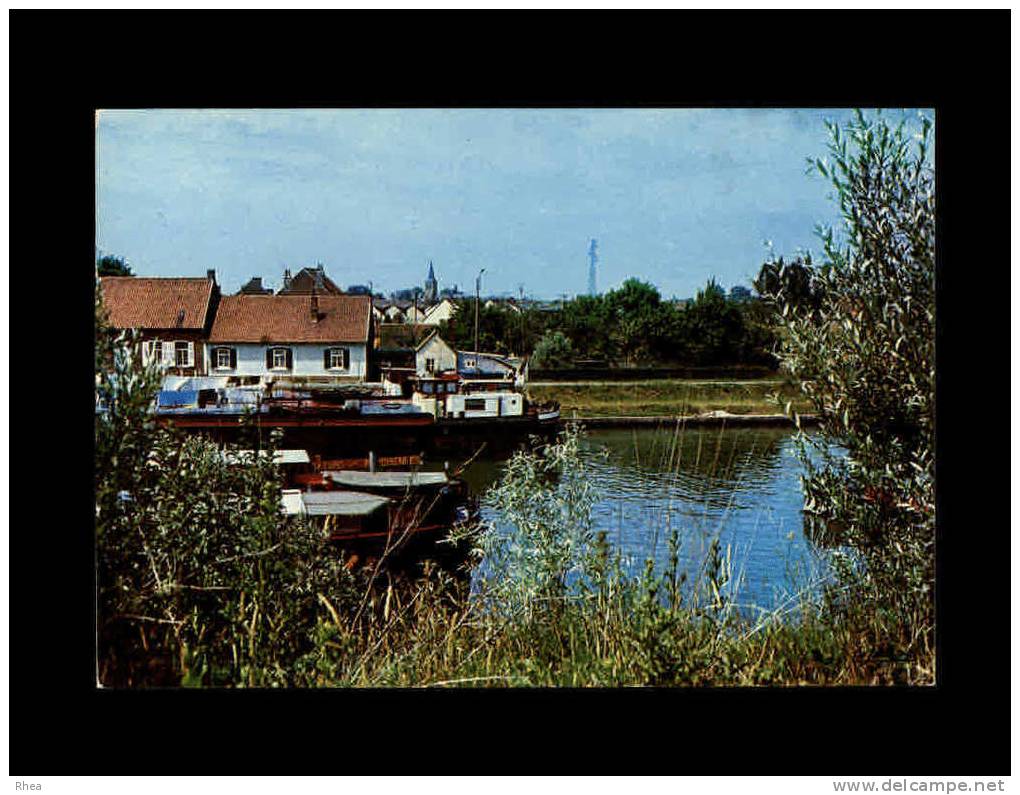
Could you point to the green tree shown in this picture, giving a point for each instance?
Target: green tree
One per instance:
(587, 322)
(714, 326)
(864, 354)
(638, 322)
(632, 298)
(498, 328)
(112, 266)
(553, 350)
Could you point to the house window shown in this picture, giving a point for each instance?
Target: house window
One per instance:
(430, 365)
(337, 359)
(164, 354)
(279, 359)
(184, 354)
(226, 359)
(474, 404)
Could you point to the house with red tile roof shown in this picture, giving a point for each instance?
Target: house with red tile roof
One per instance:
(320, 337)
(173, 315)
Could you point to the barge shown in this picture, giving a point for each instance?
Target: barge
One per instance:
(439, 411)
(401, 514)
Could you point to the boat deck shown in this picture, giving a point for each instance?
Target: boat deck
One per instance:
(386, 480)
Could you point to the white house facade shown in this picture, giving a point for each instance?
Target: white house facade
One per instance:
(434, 356)
(443, 311)
(347, 360)
(291, 336)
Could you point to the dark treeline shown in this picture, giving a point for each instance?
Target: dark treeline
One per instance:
(634, 325)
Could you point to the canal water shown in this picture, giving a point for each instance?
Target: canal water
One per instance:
(739, 486)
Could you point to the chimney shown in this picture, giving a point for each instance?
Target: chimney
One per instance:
(286, 279)
(315, 307)
(211, 275)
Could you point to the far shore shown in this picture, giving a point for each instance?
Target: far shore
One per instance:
(695, 401)
(711, 419)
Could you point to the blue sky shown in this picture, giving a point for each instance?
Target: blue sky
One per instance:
(674, 196)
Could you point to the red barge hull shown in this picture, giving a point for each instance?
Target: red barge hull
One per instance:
(308, 421)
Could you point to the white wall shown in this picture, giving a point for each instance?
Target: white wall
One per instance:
(497, 404)
(444, 310)
(307, 360)
(436, 348)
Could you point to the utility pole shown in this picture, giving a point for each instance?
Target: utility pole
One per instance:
(478, 299)
(520, 289)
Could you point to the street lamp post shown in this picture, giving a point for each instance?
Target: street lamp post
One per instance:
(478, 290)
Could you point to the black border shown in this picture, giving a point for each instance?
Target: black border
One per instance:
(63, 65)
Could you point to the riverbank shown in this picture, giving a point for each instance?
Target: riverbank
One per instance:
(716, 419)
(669, 398)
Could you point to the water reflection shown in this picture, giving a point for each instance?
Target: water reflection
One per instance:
(740, 486)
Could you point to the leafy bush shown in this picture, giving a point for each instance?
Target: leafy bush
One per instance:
(553, 350)
(545, 501)
(862, 347)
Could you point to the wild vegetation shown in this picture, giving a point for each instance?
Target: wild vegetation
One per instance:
(201, 581)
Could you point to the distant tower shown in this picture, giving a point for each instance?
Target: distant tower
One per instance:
(431, 287)
(592, 259)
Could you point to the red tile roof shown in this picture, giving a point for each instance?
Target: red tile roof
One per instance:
(155, 303)
(288, 318)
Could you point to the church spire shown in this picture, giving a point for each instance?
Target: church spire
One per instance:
(431, 292)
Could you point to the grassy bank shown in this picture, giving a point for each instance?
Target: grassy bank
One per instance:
(667, 397)
(622, 635)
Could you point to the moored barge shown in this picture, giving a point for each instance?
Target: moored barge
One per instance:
(401, 514)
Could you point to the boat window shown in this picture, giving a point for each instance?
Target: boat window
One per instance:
(474, 404)
(426, 387)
